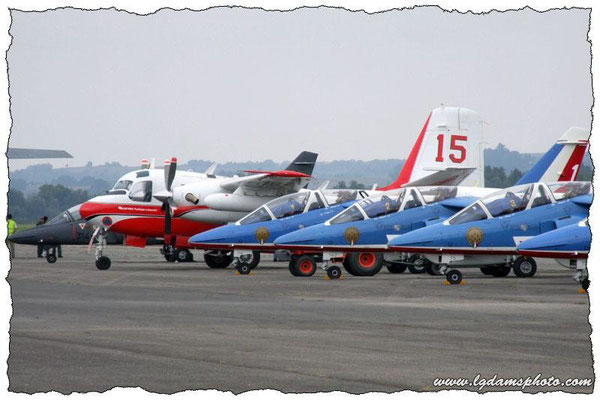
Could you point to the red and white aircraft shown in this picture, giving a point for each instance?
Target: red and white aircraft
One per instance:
(140, 206)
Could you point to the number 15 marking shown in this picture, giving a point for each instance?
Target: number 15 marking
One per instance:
(453, 146)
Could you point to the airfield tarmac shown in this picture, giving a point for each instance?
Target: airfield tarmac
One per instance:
(171, 327)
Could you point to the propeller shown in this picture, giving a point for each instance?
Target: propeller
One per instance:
(166, 196)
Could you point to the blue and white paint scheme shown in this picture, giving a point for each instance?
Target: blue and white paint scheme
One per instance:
(488, 232)
(569, 246)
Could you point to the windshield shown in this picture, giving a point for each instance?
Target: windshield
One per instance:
(509, 200)
(60, 219)
(381, 205)
(567, 190)
(74, 211)
(472, 213)
(349, 215)
(340, 196)
(289, 205)
(437, 194)
(122, 185)
(260, 215)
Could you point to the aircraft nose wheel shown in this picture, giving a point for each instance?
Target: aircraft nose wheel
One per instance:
(454, 276)
(243, 269)
(103, 263)
(334, 272)
(51, 258)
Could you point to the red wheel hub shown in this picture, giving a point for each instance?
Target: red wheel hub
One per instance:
(367, 260)
(306, 267)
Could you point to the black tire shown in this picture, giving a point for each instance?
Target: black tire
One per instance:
(433, 269)
(218, 259)
(346, 264)
(303, 266)
(418, 264)
(499, 272)
(364, 264)
(190, 257)
(334, 272)
(181, 255)
(395, 268)
(585, 284)
(51, 258)
(454, 276)
(524, 267)
(243, 269)
(291, 266)
(103, 263)
(253, 263)
(486, 270)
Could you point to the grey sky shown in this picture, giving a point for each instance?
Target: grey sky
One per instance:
(236, 84)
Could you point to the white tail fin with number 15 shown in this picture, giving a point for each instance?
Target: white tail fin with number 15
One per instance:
(448, 151)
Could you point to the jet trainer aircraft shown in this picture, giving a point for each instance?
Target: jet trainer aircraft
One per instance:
(569, 246)
(359, 234)
(486, 233)
(141, 205)
(420, 168)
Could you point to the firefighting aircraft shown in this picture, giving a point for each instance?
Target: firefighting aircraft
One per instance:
(139, 205)
(569, 246)
(359, 235)
(256, 232)
(486, 234)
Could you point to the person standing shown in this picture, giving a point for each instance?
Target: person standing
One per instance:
(40, 246)
(12, 228)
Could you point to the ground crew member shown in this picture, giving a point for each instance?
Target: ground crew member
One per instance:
(12, 228)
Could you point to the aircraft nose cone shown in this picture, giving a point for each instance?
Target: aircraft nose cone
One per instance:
(223, 234)
(424, 237)
(27, 236)
(302, 236)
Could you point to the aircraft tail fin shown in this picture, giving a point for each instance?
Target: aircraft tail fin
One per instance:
(451, 141)
(304, 163)
(563, 161)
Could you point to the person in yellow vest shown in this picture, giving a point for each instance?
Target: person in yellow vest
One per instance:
(12, 228)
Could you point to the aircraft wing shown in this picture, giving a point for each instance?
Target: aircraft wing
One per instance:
(15, 153)
(447, 177)
(261, 183)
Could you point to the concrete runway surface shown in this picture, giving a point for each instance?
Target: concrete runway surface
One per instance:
(171, 327)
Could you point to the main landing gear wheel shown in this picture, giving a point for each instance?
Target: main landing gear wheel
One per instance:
(51, 258)
(433, 269)
(334, 272)
(395, 268)
(252, 261)
(303, 266)
(454, 276)
(585, 284)
(486, 270)
(183, 255)
(218, 259)
(418, 264)
(524, 267)
(103, 263)
(364, 264)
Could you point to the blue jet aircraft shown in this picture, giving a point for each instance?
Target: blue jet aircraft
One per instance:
(255, 232)
(569, 246)
(486, 233)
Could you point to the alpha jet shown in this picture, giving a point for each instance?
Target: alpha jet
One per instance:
(569, 246)
(67, 228)
(243, 241)
(486, 234)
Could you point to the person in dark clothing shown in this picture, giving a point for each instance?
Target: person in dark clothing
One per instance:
(40, 247)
